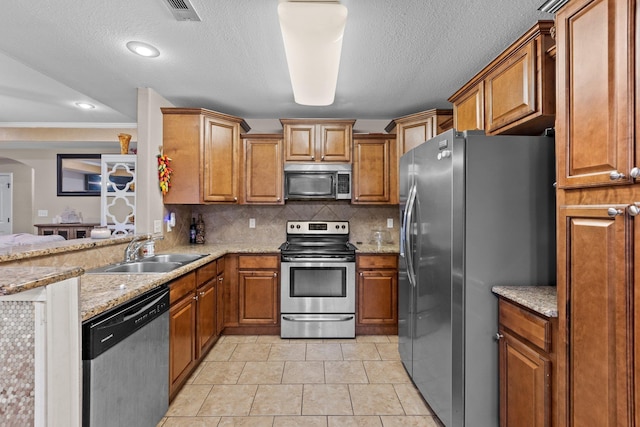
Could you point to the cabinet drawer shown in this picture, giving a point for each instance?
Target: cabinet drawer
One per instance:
(206, 272)
(533, 328)
(378, 261)
(182, 286)
(261, 261)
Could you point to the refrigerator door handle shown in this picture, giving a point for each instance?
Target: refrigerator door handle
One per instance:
(407, 234)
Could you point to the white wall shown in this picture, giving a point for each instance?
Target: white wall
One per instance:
(149, 206)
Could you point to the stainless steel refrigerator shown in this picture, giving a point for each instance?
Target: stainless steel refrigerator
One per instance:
(476, 212)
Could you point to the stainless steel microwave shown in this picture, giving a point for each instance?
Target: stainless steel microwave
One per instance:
(322, 181)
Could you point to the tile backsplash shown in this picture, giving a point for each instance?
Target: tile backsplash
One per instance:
(227, 224)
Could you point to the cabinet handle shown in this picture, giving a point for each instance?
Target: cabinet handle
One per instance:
(202, 293)
(613, 212)
(195, 298)
(616, 176)
(498, 336)
(635, 173)
(633, 210)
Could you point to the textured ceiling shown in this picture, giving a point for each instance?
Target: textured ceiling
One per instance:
(398, 57)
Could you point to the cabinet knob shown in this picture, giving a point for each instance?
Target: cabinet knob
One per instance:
(220, 279)
(612, 212)
(633, 210)
(195, 298)
(275, 274)
(498, 336)
(313, 157)
(322, 158)
(202, 293)
(616, 176)
(635, 173)
(235, 199)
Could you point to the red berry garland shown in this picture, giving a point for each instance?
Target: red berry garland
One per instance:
(164, 173)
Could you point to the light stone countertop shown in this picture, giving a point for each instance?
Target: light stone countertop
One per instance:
(19, 279)
(100, 292)
(541, 299)
(19, 252)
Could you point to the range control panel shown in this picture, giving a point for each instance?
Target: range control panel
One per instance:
(317, 227)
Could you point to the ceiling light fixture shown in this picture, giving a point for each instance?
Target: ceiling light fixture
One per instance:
(85, 105)
(312, 32)
(143, 49)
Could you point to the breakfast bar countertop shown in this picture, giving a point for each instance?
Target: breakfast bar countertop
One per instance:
(541, 299)
(19, 279)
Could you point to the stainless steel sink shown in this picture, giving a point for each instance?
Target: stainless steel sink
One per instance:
(162, 263)
(181, 258)
(143, 267)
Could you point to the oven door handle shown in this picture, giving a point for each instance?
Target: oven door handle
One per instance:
(322, 318)
(302, 259)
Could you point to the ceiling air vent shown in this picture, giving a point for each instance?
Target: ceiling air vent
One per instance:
(182, 10)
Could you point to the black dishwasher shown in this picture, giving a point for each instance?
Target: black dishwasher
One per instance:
(125, 363)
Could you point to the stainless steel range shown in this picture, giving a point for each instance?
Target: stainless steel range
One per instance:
(318, 281)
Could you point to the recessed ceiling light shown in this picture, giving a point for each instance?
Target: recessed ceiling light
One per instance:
(143, 49)
(85, 105)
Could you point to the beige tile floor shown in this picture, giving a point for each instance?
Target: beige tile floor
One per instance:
(257, 381)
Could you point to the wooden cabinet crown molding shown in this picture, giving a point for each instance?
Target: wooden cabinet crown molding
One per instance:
(207, 113)
(422, 116)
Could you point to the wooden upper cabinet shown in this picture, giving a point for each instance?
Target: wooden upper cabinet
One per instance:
(317, 140)
(595, 127)
(204, 148)
(375, 169)
(263, 169)
(468, 111)
(414, 129)
(516, 91)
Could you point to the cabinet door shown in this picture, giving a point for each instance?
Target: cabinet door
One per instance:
(333, 143)
(300, 142)
(593, 123)
(221, 161)
(468, 111)
(377, 297)
(207, 316)
(510, 90)
(259, 297)
(375, 171)
(594, 314)
(263, 173)
(414, 134)
(525, 385)
(182, 341)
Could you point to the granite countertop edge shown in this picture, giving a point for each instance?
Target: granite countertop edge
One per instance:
(541, 299)
(20, 279)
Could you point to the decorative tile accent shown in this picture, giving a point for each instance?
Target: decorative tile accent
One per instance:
(17, 363)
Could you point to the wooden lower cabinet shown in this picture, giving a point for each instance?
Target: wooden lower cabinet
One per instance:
(377, 294)
(595, 288)
(252, 305)
(193, 320)
(526, 354)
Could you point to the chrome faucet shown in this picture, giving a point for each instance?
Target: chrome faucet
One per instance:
(132, 252)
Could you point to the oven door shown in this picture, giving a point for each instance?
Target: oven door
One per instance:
(318, 287)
